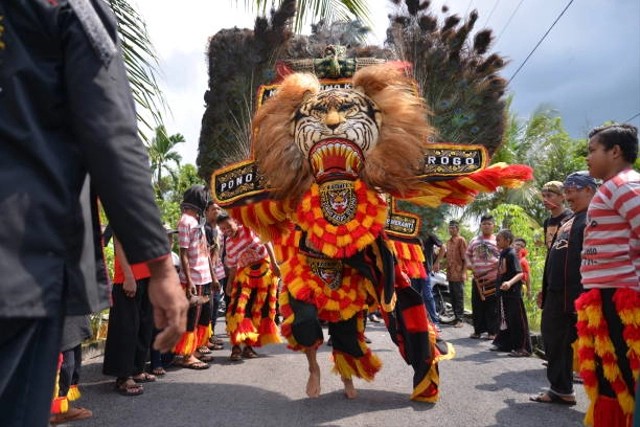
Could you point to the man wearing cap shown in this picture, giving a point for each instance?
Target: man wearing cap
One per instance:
(553, 200)
(455, 250)
(561, 285)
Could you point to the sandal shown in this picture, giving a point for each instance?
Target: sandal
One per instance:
(128, 387)
(203, 350)
(75, 413)
(249, 353)
(546, 397)
(215, 346)
(519, 353)
(144, 378)
(474, 336)
(204, 357)
(215, 340)
(159, 372)
(236, 354)
(197, 365)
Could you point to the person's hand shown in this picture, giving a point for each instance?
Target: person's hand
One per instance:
(129, 287)
(169, 304)
(436, 266)
(505, 286)
(539, 300)
(216, 286)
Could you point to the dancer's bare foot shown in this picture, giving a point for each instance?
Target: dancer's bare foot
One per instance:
(349, 390)
(313, 384)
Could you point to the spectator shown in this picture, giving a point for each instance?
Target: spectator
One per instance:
(76, 329)
(611, 276)
(513, 335)
(520, 245)
(252, 285)
(553, 200)
(130, 325)
(482, 259)
(196, 279)
(66, 112)
(454, 251)
(214, 241)
(561, 285)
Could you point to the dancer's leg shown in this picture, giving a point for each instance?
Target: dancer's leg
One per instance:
(313, 384)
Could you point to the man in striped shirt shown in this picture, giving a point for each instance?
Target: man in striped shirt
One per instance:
(482, 259)
(611, 274)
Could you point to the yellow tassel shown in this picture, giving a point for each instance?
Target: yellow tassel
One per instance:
(432, 377)
(74, 393)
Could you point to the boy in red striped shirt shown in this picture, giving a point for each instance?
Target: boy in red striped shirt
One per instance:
(610, 362)
(252, 285)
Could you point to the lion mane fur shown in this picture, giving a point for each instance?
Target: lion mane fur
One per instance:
(392, 165)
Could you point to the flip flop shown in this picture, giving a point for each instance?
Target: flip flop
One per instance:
(128, 388)
(236, 354)
(159, 372)
(205, 358)
(198, 366)
(75, 413)
(519, 353)
(203, 350)
(144, 378)
(544, 397)
(474, 336)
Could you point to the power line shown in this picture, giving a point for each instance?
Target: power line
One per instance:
(491, 13)
(540, 42)
(509, 20)
(631, 118)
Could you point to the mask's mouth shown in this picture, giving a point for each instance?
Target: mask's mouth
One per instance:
(335, 158)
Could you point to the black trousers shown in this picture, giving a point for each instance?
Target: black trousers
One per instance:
(130, 332)
(485, 313)
(558, 333)
(457, 298)
(70, 369)
(29, 351)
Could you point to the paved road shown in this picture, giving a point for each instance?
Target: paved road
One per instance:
(478, 388)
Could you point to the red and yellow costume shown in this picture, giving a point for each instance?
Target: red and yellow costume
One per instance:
(327, 159)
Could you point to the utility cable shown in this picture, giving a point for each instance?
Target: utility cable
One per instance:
(540, 41)
(509, 20)
(631, 118)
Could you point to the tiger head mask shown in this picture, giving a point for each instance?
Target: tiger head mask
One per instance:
(376, 130)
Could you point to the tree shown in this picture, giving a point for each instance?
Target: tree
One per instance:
(162, 154)
(142, 66)
(324, 10)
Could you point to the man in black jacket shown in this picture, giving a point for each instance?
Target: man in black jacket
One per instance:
(66, 117)
(561, 285)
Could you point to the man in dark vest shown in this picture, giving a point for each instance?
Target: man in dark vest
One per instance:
(67, 122)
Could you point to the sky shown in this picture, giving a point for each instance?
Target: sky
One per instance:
(587, 68)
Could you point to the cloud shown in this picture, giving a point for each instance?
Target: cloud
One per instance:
(588, 67)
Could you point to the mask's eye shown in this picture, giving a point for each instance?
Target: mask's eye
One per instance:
(320, 109)
(346, 107)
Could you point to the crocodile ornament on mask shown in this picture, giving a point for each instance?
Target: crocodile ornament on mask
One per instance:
(329, 156)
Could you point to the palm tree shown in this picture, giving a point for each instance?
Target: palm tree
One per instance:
(162, 154)
(142, 66)
(324, 10)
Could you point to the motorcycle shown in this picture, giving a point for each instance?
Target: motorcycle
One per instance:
(442, 296)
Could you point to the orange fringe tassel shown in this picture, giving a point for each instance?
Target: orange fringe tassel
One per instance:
(593, 339)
